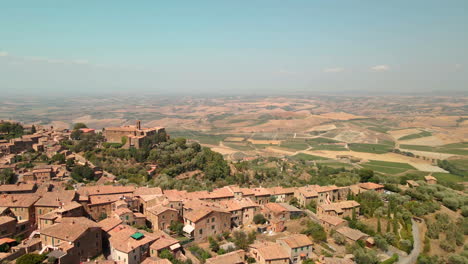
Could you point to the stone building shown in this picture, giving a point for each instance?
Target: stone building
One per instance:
(131, 136)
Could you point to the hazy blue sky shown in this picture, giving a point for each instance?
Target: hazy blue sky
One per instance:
(233, 46)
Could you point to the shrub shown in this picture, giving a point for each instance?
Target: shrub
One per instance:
(31, 259)
(339, 239)
(464, 211)
(315, 231)
(447, 246)
(259, 219)
(451, 203)
(381, 243)
(394, 258)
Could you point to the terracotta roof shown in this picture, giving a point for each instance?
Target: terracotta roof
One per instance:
(122, 211)
(271, 251)
(278, 190)
(297, 240)
(370, 186)
(163, 241)
(198, 214)
(103, 199)
(308, 191)
(121, 238)
(352, 234)
(261, 191)
(235, 205)
(17, 187)
(339, 206)
(275, 207)
(109, 223)
(332, 220)
(56, 199)
(105, 189)
(158, 209)
(234, 257)
(18, 200)
(6, 219)
(328, 188)
(147, 191)
(70, 228)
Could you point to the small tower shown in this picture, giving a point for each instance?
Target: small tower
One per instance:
(138, 124)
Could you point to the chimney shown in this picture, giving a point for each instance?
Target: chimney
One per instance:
(138, 124)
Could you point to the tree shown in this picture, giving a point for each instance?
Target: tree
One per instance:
(451, 203)
(59, 158)
(381, 243)
(363, 256)
(214, 245)
(370, 201)
(33, 129)
(81, 173)
(7, 176)
(242, 240)
(259, 219)
(365, 174)
(294, 202)
(31, 258)
(339, 239)
(379, 226)
(76, 134)
(177, 227)
(78, 126)
(316, 231)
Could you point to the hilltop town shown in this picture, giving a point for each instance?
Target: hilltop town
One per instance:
(132, 194)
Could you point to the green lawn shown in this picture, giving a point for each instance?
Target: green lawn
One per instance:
(390, 164)
(448, 177)
(302, 156)
(417, 135)
(370, 148)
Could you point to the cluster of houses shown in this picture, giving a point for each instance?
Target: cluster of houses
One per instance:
(77, 225)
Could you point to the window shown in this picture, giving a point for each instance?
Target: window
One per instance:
(201, 231)
(212, 220)
(212, 227)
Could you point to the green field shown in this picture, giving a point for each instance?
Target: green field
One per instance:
(239, 146)
(448, 177)
(455, 149)
(336, 164)
(417, 135)
(302, 156)
(387, 166)
(294, 145)
(382, 169)
(321, 140)
(330, 147)
(390, 164)
(379, 129)
(370, 148)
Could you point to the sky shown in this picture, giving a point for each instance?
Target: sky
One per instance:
(228, 47)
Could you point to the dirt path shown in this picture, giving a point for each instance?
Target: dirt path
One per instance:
(413, 256)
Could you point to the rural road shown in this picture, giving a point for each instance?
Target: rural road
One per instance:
(413, 256)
